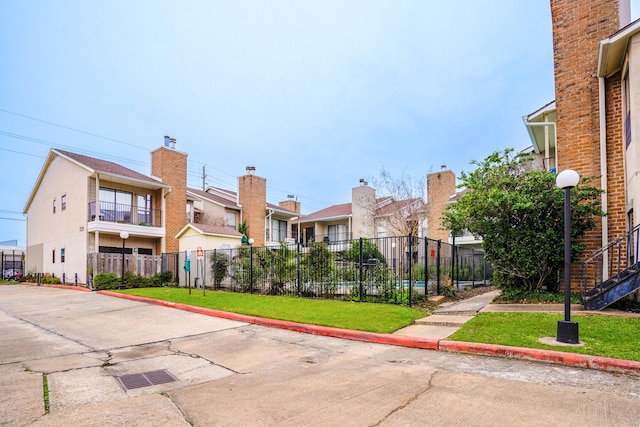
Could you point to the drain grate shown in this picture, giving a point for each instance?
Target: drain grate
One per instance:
(145, 379)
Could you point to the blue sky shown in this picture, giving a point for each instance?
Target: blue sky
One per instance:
(314, 94)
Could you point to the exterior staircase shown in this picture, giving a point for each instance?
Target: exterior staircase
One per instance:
(611, 273)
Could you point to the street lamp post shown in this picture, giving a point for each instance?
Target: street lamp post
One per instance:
(124, 236)
(567, 330)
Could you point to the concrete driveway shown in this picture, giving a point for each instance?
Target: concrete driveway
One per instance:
(224, 372)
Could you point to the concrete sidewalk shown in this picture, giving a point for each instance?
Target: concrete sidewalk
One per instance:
(431, 332)
(448, 318)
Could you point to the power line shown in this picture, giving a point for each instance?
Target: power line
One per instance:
(54, 145)
(12, 219)
(20, 152)
(71, 129)
(43, 142)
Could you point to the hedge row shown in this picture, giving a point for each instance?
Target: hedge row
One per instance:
(106, 281)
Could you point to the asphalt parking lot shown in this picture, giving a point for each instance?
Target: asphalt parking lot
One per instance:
(225, 372)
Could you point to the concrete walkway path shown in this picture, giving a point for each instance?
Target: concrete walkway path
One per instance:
(448, 318)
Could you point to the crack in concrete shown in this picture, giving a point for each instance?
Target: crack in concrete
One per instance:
(410, 400)
(173, 402)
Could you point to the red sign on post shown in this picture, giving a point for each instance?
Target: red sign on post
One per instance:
(200, 252)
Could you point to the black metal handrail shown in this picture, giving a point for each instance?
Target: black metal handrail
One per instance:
(610, 261)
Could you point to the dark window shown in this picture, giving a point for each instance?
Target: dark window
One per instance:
(116, 205)
(63, 202)
(54, 205)
(144, 208)
(53, 256)
(62, 255)
(114, 250)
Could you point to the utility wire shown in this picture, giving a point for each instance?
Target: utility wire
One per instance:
(72, 129)
(43, 142)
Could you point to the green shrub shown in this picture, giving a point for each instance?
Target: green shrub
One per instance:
(136, 281)
(49, 279)
(106, 281)
(219, 266)
(369, 252)
(160, 279)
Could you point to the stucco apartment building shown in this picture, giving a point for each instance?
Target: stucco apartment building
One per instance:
(369, 216)
(593, 124)
(79, 205)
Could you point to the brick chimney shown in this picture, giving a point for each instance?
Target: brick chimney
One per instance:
(171, 167)
(252, 196)
(440, 186)
(290, 204)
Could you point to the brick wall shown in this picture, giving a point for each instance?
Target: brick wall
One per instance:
(252, 196)
(578, 27)
(171, 167)
(440, 186)
(616, 187)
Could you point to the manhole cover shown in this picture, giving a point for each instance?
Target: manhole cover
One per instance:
(145, 379)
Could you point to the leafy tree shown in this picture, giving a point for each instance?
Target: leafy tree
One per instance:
(318, 262)
(404, 208)
(518, 213)
(219, 266)
(243, 229)
(369, 251)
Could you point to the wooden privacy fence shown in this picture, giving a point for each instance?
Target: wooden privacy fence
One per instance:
(142, 265)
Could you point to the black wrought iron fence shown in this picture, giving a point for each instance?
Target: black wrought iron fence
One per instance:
(390, 269)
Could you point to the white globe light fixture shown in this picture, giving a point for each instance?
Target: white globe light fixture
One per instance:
(567, 330)
(567, 179)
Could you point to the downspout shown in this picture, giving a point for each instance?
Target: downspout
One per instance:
(96, 235)
(268, 225)
(603, 170)
(163, 241)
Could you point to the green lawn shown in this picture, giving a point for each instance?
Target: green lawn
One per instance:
(382, 318)
(606, 336)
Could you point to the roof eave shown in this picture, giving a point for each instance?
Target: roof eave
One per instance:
(613, 50)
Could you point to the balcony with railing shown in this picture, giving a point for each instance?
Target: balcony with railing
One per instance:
(124, 214)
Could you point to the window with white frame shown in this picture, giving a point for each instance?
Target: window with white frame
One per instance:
(337, 232)
(279, 230)
(63, 202)
(231, 220)
(54, 205)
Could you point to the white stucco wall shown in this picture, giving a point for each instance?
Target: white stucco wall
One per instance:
(48, 232)
(191, 240)
(632, 154)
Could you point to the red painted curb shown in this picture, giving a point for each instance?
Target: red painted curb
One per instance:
(559, 357)
(47, 285)
(414, 342)
(569, 359)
